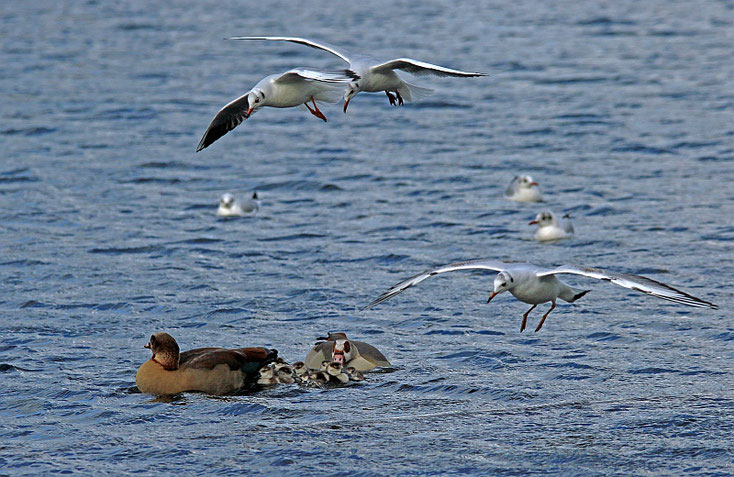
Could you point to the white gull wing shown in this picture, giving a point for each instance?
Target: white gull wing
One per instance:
(421, 68)
(480, 264)
(634, 282)
(228, 118)
(299, 75)
(301, 41)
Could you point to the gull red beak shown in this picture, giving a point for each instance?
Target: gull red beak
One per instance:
(533, 184)
(249, 112)
(532, 222)
(346, 103)
(491, 295)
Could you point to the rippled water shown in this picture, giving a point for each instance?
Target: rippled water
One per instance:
(623, 112)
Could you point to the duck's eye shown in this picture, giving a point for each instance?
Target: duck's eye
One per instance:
(512, 280)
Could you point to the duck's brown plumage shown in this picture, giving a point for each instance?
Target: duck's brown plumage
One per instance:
(209, 370)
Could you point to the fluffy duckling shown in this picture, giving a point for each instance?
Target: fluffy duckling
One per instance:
(318, 377)
(299, 368)
(523, 189)
(279, 363)
(209, 370)
(353, 374)
(334, 370)
(267, 376)
(285, 375)
(550, 227)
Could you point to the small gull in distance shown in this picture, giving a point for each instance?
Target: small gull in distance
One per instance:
(535, 285)
(296, 87)
(550, 227)
(523, 189)
(230, 207)
(374, 76)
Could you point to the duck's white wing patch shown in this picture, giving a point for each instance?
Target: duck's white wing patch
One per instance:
(482, 264)
(421, 68)
(634, 282)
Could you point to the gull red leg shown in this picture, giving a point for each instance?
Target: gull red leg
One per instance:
(400, 98)
(390, 97)
(315, 111)
(542, 320)
(525, 318)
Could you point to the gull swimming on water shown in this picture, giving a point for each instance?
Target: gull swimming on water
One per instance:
(297, 87)
(523, 189)
(550, 227)
(535, 285)
(373, 76)
(230, 207)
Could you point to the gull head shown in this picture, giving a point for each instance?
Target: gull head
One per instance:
(226, 201)
(526, 182)
(502, 282)
(255, 100)
(544, 219)
(350, 93)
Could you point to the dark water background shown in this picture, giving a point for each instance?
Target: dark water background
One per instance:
(621, 110)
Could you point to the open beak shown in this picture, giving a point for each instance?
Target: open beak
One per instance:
(346, 103)
(532, 222)
(491, 295)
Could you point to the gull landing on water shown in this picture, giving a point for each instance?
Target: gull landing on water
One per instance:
(297, 87)
(535, 285)
(373, 76)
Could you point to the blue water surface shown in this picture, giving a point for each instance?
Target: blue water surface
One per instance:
(621, 110)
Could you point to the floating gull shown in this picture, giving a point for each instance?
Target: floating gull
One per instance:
(523, 189)
(535, 285)
(374, 76)
(550, 227)
(230, 207)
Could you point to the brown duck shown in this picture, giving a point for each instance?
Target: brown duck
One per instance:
(349, 353)
(209, 370)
